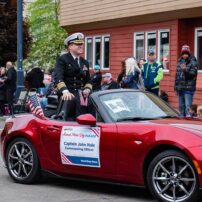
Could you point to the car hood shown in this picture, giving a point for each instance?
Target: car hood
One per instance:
(192, 125)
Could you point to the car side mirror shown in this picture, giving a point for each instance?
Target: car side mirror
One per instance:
(86, 119)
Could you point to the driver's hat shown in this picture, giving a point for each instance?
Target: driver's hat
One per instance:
(76, 38)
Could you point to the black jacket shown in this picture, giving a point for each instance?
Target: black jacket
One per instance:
(96, 81)
(3, 89)
(70, 76)
(186, 79)
(35, 78)
(110, 86)
(11, 80)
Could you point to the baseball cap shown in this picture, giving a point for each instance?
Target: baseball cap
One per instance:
(107, 75)
(96, 67)
(151, 52)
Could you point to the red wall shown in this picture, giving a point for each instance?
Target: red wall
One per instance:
(187, 36)
(121, 47)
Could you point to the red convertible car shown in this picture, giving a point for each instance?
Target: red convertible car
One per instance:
(135, 139)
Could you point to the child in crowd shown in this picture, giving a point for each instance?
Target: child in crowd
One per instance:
(193, 110)
(199, 112)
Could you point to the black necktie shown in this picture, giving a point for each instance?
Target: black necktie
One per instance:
(77, 61)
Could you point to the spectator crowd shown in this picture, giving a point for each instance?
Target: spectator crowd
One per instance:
(145, 75)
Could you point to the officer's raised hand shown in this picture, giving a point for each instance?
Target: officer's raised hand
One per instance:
(66, 95)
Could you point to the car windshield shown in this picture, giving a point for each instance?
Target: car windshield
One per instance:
(123, 106)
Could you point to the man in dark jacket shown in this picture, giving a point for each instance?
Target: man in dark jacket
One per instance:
(11, 84)
(108, 83)
(185, 80)
(35, 78)
(72, 75)
(96, 78)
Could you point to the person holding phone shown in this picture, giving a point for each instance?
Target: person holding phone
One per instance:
(185, 80)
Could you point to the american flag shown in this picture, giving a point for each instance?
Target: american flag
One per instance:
(34, 105)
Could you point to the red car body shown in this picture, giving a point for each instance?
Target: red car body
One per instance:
(154, 149)
(125, 148)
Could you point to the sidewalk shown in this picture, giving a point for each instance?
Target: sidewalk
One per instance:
(2, 121)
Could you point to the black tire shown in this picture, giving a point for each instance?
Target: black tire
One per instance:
(173, 179)
(24, 169)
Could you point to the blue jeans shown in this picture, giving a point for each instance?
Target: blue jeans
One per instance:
(43, 102)
(185, 101)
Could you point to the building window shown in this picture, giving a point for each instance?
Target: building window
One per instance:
(139, 45)
(151, 41)
(144, 41)
(198, 46)
(97, 51)
(105, 53)
(89, 50)
(163, 48)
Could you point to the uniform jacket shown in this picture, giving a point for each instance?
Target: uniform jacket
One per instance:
(35, 78)
(68, 74)
(186, 79)
(152, 75)
(11, 80)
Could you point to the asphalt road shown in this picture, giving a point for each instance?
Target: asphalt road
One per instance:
(54, 190)
(57, 190)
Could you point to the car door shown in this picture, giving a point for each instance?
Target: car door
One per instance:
(132, 145)
(105, 147)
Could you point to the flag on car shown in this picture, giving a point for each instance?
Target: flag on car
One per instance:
(34, 105)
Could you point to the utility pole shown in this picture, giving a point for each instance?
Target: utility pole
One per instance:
(20, 72)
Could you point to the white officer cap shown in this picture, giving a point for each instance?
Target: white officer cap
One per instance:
(77, 38)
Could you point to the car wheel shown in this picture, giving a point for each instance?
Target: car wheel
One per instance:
(172, 177)
(22, 161)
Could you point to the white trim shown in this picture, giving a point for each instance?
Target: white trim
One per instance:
(102, 55)
(159, 41)
(134, 43)
(85, 53)
(146, 41)
(166, 70)
(94, 37)
(196, 44)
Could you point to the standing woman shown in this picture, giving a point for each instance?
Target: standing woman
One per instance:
(133, 74)
(122, 74)
(2, 89)
(96, 78)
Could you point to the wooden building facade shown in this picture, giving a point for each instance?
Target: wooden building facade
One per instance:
(117, 29)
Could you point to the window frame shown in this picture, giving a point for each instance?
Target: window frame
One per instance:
(94, 37)
(196, 44)
(158, 47)
(85, 54)
(102, 52)
(146, 41)
(159, 41)
(134, 44)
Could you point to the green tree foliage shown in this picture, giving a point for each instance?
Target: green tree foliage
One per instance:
(48, 36)
(8, 34)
